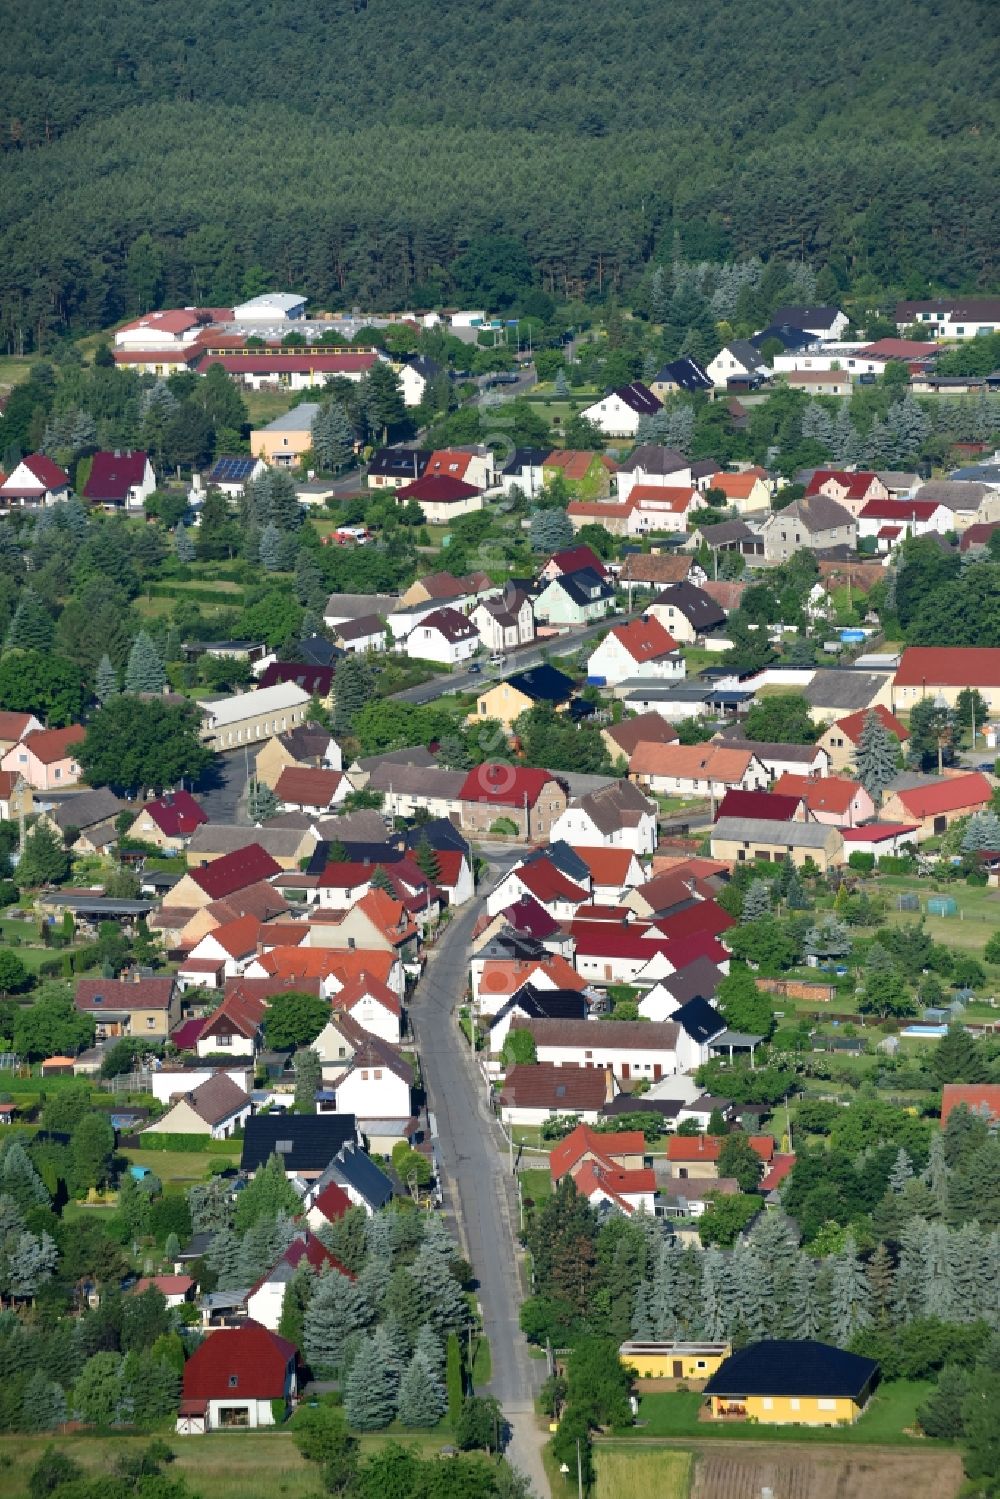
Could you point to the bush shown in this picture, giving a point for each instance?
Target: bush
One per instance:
(505, 827)
(180, 1142)
(864, 863)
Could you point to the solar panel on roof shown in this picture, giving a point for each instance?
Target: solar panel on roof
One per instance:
(233, 468)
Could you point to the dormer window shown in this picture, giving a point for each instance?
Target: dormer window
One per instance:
(234, 1380)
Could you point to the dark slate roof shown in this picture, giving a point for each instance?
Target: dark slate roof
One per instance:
(353, 1167)
(510, 944)
(699, 1019)
(399, 463)
(701, 611)
(686, 373)
(305, 1142)
(782, 1367)
(803, 317)
(726, 531)
(523, 458)
(584, 587)
(546, 1004)
(544, 683)
(747, 354)
(699, 979)
(566, 859)
(440, 832)
(317, 651)
(789, 337)
(632, 1103)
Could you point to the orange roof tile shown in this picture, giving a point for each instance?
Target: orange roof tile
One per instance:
(824, 794)
(697, 762)
(645, 639)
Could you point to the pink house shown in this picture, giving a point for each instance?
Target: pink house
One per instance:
(44, 759)
(835, 800)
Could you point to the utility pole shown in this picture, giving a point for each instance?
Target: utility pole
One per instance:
(579, 1471)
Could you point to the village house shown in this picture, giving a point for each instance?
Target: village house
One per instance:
(217, 1108)
(415, 376)
(652, 466)
(881, 839)
(475, 465)
(287, 366)
(441, 497)
(747, 493)
(436, 589)
(840, 739)
(505, 623)
(248, 717)
(801, 1383)
(829, 799)
(306, 1143)
(119, 481)
(940, 672)
(223, 877)
(696, 1157)
(169, 822)
(613, 872)
(389, 468)
(707, 770)
(572, 559)
(376, 1083)
(231, 475)
(266, 1299)
(631, 1049)
(901, 518)
(850, 490)
(740, 840)
(684, 374)
(832, 382)
(738, 364)
(951, 317)
(641, 648)
(815, 523)
(656, 570)
(688, 612)
(530, 799)
(935, 804)
(619, 413)
(44, 758)
(16, 726)
(237, 1378)
(312, 678)
(307, 745)
(620, 739)
(534, 1092)
(15, 796)
(360, 636)
(373, 1005)
(541, 881)
(778, 758)
(375, 923)
(575, 599)
(340, 608)
(36, 480)
(301, 788)
(522, 690)
(836, 691)
(616, 816)
(445, 636)
(284, 441)
(287, 846)
(653, 509)
(135, 1006)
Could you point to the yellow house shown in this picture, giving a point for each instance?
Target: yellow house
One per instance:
(786, 1383)
(674, 1360)
(741, 840)
(503, 702)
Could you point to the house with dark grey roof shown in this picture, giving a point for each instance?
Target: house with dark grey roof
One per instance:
(835, 691)
(523, 470)
(728, 536)
(823, 322)
(534, 1003)
(740, 840)
(779, 759)
(619, 413)
(801, 1383)
(686, 612)
(390, 467)
(685, 374)
(306, 1143)
(575, 599)
(353, 1170)
(617, 816)
(792, 339)
(816, 523)
(738, 363)
(699, 980)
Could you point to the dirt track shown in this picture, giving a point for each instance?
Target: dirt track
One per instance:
(730, 1470)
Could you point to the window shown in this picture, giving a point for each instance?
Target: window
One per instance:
(58, 774)
(795, 1403)
(150, 1022)
(378, 1074)
(827, 1405)
(234, 1380)
(342, 1051)
(767, 1403)
(364, 1075)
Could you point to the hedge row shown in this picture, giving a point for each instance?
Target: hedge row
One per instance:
(186, 1142)
(197, 595)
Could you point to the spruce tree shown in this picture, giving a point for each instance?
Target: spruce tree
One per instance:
(295, 1304)
(270, 548)
(550, 531)
(332, 437)
(881, 1280)
(427, 859)
(982, 832)
(422, 1398)
(430, 1348)
(876, 757)
(183, 545)
(352, 688)
(943, 1413)
(144, 671)
(716, 1305)
(32, 627)
(850, 1295)
(756, 902)
(337, 1308)
(371, 1390)
(381, 881)
(560, 386)
(262, 803)
(447, 1308)
(802, 1312)
(43, 1406)
(106, 681)
(901, 1172)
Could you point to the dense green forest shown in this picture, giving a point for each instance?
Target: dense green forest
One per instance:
(397, 151)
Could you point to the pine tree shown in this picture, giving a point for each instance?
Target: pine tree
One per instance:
(817, 424)
(560, 387)
(846, 442)
(430, 1348)
(802, 1312)
(422, 1398)
(144, 671)
(881, 1281)
(876, 757)
(642, 1317)
(982, 832)
(308, 1079)
(715, 1301)
(937, 1174)
(332, 436)
(756, 902)
(678, 429)
(371, 1391)
(310, 589)
(796, 898)
(19, 1181)
(338, 1307)
(262, 804)
(908, 1295)
(663, 1291)
(943, 1414)
(550, 531)
(183, 545)
(106, 682)
(447, 1308)
(427, 859)
(32, 627)
(270, 548)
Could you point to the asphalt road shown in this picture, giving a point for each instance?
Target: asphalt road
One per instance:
(221, 790)
(478, 1188)
(519, 660)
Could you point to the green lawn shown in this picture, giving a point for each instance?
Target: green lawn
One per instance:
(14, 369)
(633, 1474)
(536, 1184)
(182, 1165)
(482, 1363)
(891, 1412)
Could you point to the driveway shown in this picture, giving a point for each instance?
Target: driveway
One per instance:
(478, 1188)
(221, 790)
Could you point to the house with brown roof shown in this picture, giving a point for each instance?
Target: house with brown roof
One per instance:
(586, 475)
(300, 788)
(308, 744)
(376, 923)
(534, 1092)
(707, 770)
(44, 758)
(505, 622)
(445, 635)
(653, 466)
(443, 588)
(223, 877)
(133, 1006)
(658, 569)
(688, 612)
(529, 798)
(16, 726)
(631, 1049)
(841, 738)
(615, 816)
(217, 1108)
(236, 1028)
(815, 523)
(620, 739)
(641, 648)
(376, 1084)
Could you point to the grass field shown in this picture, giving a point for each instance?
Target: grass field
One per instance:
(223, 1465)
(639, 1475)
(264, 405)
(181, 1165)
(891, 1413)
(13, 370)
(482, 1363)
(536, 1183)
(792, 1471)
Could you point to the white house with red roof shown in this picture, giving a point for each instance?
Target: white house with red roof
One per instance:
(474, 465)
(539, 879)
(266, 1299)
(121, 480)
(231, 946)
(904, 518)
(36, 480)
(371, 1004)
(852, 490)
(836, 800)
(235, 1378)
(329, 1206)
(442, 497)
(174, 328)
(572, 560)
(641, 648)
(883, 839)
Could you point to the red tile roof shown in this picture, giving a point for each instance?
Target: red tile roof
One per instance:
(447, 462)
(548, 884)
(734, 486)
(356, 989)
(48, 474)
(112, 475)
(706, 919)
(856, 485)
(300, 360)
(572, 559)
(780, 1167)
(978, 1098)
(172, 320)
(333, 1202)
(608, 866)
(50, 745)
(899, 510)
(575, 464)
(877, 832)
(853, 725)
(244, 866)
(168, 1285)
(239, 937)
(176, 813)
(948, 666)
(306, 786)
(504, 785)
(438, 489)
(951, 795)
(239, 1363)
(765, 804)
(568, 1152)
(526, 915)
(708, 1147)
(97, 995)
(824, 794)
(13, 725)
(645, 639)
(593, 1177)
